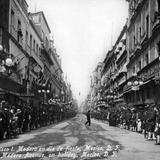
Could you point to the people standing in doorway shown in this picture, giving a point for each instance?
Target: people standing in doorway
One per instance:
(88, 118)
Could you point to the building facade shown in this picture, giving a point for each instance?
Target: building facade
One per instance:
(28, 59)
(143, 46)
(95, 87)
(15, 57)
(130, 74)
(120, 74)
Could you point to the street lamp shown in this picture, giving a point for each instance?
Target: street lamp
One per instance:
(62, 94)
(112, 96)
(45, 91)
(134, 84)
(136, 81)
(6, 62)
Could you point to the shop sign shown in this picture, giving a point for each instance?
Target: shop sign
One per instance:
(135, 88)
(37, 69)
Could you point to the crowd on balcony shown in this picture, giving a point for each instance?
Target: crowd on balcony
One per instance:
(18, 119)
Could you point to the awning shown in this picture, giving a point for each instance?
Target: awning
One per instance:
(145, 83)
(102, 105)
(127, 91)
(26, 95)
(119, 100)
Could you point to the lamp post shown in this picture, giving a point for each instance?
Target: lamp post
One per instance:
(45, 91)
(62, 94)
(134, 84)
(111, 97)
(6, 62)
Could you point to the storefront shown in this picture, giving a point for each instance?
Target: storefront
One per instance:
(10, 90)
(147, 92)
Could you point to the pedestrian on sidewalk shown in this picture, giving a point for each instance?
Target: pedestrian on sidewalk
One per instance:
(151, 123)
(139, 126)
(88, 118)
(157, 130)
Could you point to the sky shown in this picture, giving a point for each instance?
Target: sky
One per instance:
(83, 31)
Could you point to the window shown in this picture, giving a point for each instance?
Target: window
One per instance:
(26, 38)
(143, 22)
(26, 42)
(31, 42)
(133, 42)
(19, 32)
(39, 19)
(34, 48)
(147, 59)
(37, 49)
(139, 66)
(134, 69)
(139, 34)
(47, 46)
(147, 25)
(19, 25)
(12, 21)
(43, 36)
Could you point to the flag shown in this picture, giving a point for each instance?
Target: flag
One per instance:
(40, 77)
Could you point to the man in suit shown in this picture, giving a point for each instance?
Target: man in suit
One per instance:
(88, 118)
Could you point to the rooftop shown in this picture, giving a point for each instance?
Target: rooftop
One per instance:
(41, 12)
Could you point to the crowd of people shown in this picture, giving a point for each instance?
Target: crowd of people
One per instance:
(145, 120)
(18, 119)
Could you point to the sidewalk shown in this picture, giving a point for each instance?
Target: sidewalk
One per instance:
(133, 145)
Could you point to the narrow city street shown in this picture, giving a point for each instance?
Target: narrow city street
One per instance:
(52, 140)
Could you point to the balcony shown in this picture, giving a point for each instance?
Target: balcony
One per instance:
(36, 58)
(149, 71)
(121, 52)
(122, 71)
(46, 54)
(135, 9)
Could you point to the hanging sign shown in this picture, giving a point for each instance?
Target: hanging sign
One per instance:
(37, 69)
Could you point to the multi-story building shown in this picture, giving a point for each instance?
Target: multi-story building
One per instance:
(143, 46)
(108, 76)
(130, 72)
(28, 58)
(95, 86)
(14, 23)
(52, 73)
(58, 84)
(44, 31)
(121, 69)
(114, 72)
